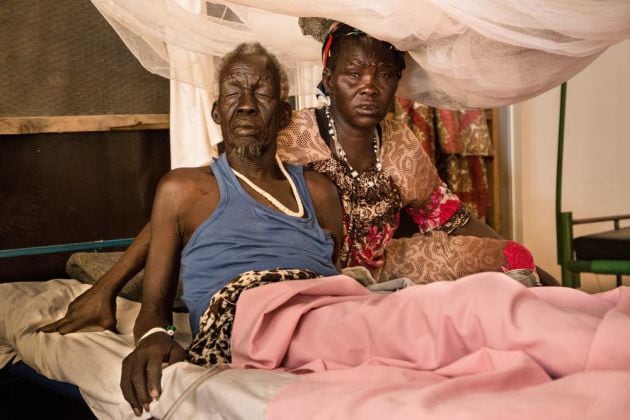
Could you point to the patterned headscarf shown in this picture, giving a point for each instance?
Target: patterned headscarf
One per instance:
(328, 32)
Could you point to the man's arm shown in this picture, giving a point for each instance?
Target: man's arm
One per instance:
(142, 368)
(95, 309)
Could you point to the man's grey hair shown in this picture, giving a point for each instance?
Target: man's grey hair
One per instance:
(254, 48)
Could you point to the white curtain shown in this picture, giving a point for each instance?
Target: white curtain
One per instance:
(460, 53)
(193, 134)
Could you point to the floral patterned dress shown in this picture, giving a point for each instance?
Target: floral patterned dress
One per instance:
(372, 203)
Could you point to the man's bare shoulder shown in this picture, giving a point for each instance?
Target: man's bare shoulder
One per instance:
(184, 184)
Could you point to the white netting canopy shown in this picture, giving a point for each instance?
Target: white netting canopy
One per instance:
(461, 53)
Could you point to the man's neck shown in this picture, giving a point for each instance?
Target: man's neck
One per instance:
(266, 181)
(258, 167)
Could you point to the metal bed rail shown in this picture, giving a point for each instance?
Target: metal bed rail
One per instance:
(71, 247)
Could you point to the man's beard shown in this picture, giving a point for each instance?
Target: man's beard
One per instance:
(250, 151)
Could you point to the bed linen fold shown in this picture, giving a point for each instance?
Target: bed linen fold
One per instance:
(439, 350)
(484, 353)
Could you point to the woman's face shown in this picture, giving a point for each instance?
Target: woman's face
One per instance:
(363, 82)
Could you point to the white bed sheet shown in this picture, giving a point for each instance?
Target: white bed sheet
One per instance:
(92, 361)
(192, 392)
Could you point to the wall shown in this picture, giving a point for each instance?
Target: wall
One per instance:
(597, 156)
(62, 58)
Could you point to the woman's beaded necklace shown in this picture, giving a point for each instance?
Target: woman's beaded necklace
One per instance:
(270, 198)
(339, 149)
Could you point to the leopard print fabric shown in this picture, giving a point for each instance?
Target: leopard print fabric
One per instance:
(458, 219)
(211, 346)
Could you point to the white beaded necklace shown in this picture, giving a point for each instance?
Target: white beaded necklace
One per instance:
(270, 198)
(332, 130)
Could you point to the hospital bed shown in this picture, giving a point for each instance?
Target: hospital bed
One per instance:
(486, 385)
(86, 366)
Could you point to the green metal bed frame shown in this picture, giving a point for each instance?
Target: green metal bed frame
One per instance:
(570, 266)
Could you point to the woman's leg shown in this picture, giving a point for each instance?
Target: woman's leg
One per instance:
(437, 256)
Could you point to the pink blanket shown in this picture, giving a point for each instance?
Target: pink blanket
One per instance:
(481, 347)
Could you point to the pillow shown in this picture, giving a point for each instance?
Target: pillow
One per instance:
(87, 267)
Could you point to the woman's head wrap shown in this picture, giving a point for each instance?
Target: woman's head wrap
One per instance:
(328, 32)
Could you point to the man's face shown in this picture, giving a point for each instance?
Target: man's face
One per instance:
(249, 108)
(363, 83)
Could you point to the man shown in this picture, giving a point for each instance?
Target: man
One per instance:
(293, 219)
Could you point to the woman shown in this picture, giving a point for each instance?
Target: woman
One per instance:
(379, 168)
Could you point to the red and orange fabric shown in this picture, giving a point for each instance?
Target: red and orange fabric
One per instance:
(458, 143)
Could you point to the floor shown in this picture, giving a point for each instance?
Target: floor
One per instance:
(22, 399)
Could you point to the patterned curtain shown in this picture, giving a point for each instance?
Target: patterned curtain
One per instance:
(460, 146)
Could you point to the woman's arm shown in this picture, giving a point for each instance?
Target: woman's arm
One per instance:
(476, 227)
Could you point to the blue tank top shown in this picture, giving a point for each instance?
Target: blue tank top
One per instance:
(243, 235)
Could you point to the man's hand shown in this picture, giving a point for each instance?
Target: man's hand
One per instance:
(142, 369)
(94, 310)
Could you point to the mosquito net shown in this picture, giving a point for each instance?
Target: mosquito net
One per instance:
(460, 53)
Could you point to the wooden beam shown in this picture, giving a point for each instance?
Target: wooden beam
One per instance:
(82, 123)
